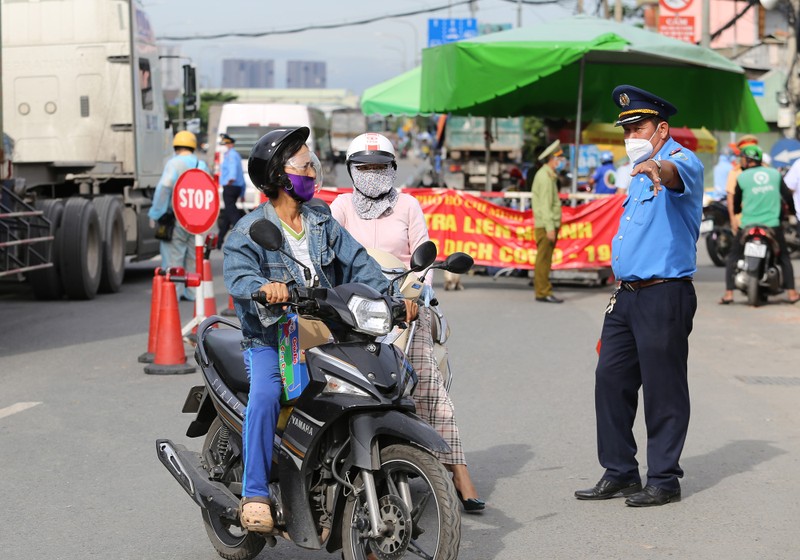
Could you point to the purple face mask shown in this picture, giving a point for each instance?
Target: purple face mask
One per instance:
(302, 186)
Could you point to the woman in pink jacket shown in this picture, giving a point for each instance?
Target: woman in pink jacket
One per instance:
(380, 217)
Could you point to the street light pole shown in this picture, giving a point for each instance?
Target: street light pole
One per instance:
(417, 50)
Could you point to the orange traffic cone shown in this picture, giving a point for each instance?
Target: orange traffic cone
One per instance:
(230, 311)
(155, 307)
(208, 290)
(170, 357)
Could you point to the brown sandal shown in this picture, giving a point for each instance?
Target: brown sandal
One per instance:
(255, 514)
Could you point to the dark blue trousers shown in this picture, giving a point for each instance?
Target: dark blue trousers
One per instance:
(645, 343)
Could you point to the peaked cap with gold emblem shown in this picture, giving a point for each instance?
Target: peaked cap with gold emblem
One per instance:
(638, 104)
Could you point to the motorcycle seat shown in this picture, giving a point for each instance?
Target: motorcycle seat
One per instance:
(225, 352)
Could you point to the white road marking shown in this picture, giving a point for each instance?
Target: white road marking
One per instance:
(14, 408)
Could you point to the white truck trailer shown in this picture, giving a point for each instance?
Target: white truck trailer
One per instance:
(82, 100)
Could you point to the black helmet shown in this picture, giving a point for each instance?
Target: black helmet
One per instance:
(263, 165)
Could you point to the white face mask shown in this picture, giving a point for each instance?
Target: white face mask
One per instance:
(638, 148)
(223, 149)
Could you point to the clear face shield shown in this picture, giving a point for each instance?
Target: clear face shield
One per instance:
(307, 164)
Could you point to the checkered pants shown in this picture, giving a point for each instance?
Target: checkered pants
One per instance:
(431, 399)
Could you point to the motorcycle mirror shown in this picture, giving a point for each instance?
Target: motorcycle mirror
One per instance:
(423, 256)
(267, 235)
(458, 263)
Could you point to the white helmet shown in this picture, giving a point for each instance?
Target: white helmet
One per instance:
(370, 148)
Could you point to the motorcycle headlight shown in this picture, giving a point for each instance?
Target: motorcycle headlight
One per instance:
(372, 315)
(336, 386)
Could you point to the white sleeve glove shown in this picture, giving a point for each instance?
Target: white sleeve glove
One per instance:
(427, 295)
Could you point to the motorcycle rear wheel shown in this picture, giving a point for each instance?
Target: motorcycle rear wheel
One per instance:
(753, 297)
(230, 541)
(433, 525)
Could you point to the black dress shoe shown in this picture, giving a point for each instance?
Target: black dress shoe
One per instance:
(550, 299)
(471, 505)
(606, 489)
(653, 496)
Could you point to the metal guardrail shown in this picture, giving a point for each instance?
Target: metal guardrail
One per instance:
(26, 242)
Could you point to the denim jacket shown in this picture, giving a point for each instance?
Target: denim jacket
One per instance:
(337, 258)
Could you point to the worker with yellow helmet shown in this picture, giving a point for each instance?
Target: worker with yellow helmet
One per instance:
(177, 244)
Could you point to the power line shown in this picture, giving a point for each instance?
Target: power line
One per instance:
(312, 27)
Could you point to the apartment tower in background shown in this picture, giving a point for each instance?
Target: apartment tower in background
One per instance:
(305, 74)
(239, 73)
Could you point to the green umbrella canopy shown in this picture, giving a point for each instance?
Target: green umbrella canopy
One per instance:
(536, 71)
(397, 96)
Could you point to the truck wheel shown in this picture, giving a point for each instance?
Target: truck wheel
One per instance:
(112, 228)
(46, 283)
(80, 249)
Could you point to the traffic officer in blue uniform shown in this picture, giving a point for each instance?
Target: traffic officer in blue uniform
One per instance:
(645, 337)
(231, 177)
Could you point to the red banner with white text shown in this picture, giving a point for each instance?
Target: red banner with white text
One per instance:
(498, 236)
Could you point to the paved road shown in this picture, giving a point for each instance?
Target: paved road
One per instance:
(81, 480)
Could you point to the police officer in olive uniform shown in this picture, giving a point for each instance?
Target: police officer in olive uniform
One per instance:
(645, 337)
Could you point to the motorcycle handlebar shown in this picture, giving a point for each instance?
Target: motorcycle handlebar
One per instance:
(261, 297)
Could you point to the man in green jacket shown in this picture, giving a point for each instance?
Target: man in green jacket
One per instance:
(547, 218)
(757, 196)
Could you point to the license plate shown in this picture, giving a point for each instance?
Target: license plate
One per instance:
(706, 226)
(755, 250)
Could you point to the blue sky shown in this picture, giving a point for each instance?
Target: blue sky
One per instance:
(356, 56)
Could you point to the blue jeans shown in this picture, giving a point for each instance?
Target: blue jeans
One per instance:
(260, 419)
(180, 252)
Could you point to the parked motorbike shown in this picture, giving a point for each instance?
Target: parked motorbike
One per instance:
(758, 273)
(353, 467)
(716, 225)
(411, 288)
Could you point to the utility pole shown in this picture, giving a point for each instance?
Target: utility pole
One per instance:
(618, 11)
(705, 37)
(579, 7)
(793, 82)
(2, 144)
(519, 13)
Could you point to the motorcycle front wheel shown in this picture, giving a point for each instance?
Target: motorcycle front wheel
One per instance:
(429, 528)
(229, 540)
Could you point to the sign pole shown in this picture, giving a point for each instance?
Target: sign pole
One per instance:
(195, 200)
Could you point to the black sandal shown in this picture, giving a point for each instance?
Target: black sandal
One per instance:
(473, 505)
(724, 301)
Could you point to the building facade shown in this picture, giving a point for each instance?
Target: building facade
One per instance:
(240, 73)
(306, 74)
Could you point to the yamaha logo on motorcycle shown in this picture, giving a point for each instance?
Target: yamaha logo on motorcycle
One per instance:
(353, 463)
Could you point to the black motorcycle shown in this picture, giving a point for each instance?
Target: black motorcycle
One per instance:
(353, 467)
(758, 273)
(716, 226)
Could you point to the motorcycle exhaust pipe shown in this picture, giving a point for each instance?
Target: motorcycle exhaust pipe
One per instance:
(186, 467)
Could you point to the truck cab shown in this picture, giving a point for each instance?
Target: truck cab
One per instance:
(84, 103)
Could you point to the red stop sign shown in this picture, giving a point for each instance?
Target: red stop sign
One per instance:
(195, 201)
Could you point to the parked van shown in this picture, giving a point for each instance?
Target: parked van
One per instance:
(247, 122)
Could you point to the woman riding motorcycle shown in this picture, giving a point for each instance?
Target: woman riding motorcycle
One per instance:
(287, 172)
(380, 217)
